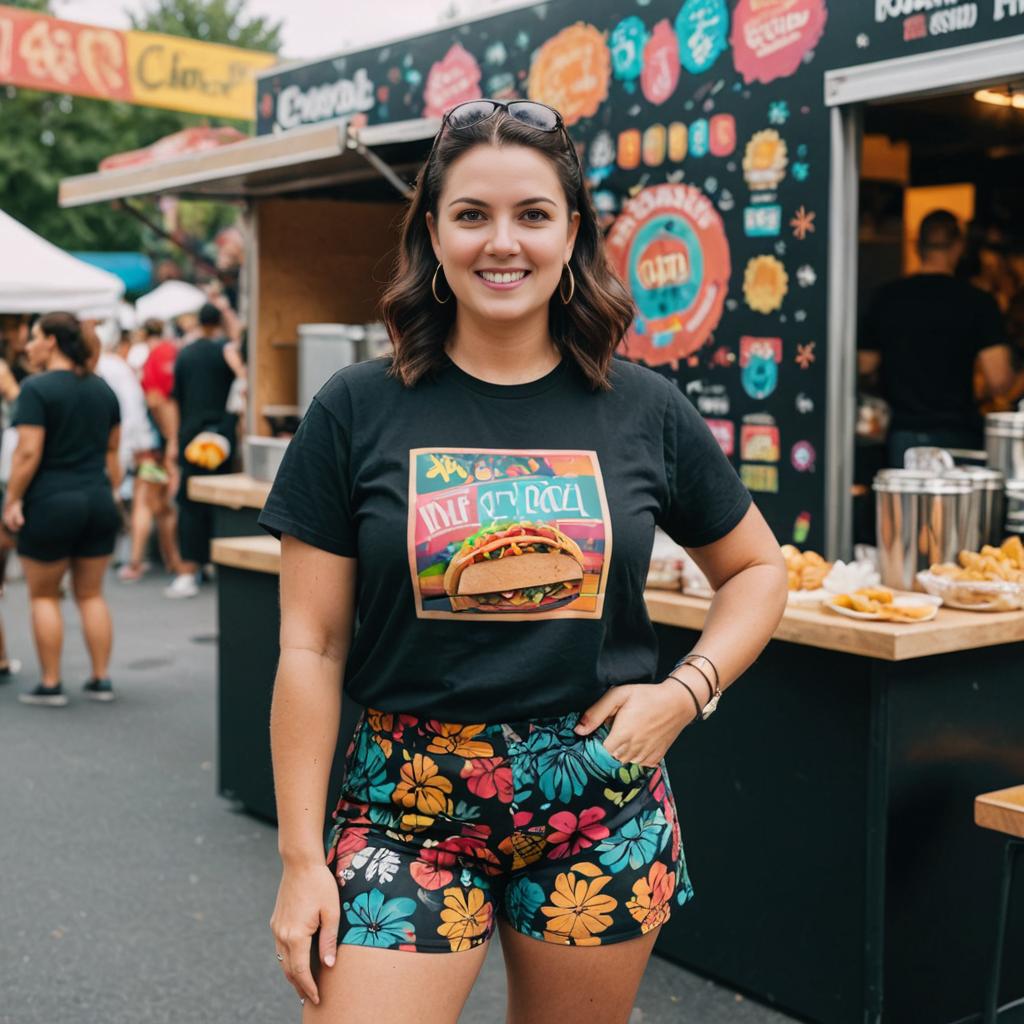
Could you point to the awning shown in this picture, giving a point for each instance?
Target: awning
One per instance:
(304, 159)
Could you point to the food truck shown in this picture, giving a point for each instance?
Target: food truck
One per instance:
(727, 146)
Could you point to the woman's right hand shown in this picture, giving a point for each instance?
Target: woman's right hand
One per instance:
(307, 900)
(14, 516)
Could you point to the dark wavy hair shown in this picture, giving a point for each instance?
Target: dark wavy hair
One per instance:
(587, 330)
(67, 331)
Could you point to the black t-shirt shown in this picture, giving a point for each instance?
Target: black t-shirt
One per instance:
(202, 380)
(929, 329)
(77, 413)
(503, 532)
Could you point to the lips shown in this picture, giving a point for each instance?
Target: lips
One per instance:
(502, 278)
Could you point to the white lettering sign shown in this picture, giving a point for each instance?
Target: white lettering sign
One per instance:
(1007, 9)
(346, 96)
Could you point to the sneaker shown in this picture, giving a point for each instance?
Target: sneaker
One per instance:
(11, 668)
(99, 689)
(182, 586)
(51, 696)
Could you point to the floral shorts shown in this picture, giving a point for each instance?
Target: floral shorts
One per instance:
(442, 826)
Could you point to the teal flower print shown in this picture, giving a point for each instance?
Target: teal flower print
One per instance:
(369, 777)
(560, 768)
(637, 843)
(523, 899)
(379, 922)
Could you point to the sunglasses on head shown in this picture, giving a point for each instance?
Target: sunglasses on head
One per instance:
(538, 116)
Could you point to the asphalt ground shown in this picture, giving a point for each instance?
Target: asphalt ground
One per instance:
(129, 891)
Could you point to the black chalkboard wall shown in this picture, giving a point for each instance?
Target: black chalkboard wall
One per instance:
(705, 136)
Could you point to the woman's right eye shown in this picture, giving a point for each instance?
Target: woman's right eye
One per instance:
(466, 216)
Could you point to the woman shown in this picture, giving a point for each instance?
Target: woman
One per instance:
(9, 389)
(487, 499)
(60, 499)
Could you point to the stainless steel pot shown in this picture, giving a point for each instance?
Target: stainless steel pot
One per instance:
(1015, 506)
(1004, 443)
(989, 488)
(921, 519)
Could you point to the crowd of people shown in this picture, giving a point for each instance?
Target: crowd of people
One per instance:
(100, 425)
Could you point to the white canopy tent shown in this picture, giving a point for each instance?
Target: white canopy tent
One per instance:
(38, 277)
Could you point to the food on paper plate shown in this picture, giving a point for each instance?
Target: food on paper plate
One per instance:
(517, 566)
(881, 603)
(990, 580)
(806, 569)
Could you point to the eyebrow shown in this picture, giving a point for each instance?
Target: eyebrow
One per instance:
(522, 202)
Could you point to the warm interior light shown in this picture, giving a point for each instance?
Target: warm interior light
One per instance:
(1001, 99)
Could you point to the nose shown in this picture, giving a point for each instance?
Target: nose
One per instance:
(502, 240)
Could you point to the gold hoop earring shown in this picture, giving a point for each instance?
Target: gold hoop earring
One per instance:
(572, 287)
(433, 287)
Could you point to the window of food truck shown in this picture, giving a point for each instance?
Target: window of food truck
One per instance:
(927, 155)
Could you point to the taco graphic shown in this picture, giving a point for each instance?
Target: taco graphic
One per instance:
(514, 566)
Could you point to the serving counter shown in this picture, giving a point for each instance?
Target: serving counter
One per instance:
(826, 808)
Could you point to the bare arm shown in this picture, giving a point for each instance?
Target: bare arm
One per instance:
(233, 357)
(24, 464)
(113, 460)
(317, 614)
(997, 369)
(748, 573)
(171, 422)
(9, 389)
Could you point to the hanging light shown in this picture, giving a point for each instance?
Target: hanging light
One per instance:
(1010, 97)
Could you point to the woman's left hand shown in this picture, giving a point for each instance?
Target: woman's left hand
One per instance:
(647, 717)
(14, 517)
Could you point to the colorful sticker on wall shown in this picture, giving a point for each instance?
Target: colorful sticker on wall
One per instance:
(660, 75)
(703, 30)
(770, 38)
(600, 157)
(765, 160)
(759, 365)
(507, 534)
(700, 137)
(804, 355)
(626, 44)
(760, 478)
(710, 399)
(678, 141)
(653, 146)
(759, 443)
(570, 72)
(669, 246)
(802, 457)
(628, 157)
(724, 432)
(765, 284)
(452, 80)
(763, 221)
(723, 135)
(803, 223)
(802, 528)
(806, 275)
(804, 404)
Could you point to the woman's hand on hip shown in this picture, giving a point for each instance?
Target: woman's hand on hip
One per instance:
(307, 900)
(646, 719)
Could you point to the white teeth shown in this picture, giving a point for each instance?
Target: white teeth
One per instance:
(506, 278)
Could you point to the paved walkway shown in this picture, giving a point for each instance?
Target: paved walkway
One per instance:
(130, 892)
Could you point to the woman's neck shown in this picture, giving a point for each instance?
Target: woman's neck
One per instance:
(502, 353)
(59, 361)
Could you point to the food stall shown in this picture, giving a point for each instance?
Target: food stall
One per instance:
(829, 813)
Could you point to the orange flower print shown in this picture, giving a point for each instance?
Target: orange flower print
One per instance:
(466, 916)
(454, 738)
(651, 896)
(423, 787)
(578, 909)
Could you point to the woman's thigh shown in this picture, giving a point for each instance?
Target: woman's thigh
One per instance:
(390, 986)
(87, 576)
(549, 983)
(43, 578)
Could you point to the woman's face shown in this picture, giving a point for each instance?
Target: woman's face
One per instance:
(39, 348)
(503, 231)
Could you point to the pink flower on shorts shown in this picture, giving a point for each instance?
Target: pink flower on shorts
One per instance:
(350, 842)
(570, 834)
(488, 777)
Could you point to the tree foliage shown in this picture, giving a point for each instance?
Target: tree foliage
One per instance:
(49, 136)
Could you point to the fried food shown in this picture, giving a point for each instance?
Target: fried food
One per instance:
(1003, 564)
(878, 601)
(806, 570)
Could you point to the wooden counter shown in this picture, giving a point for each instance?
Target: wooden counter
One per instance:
(230, 490)
(950, 630)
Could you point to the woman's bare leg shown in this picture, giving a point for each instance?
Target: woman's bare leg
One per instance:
(142, 521)
(43, 579)
(552, 984)
(97, 628)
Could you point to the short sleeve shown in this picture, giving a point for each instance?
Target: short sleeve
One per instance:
(311, 496)
(704, 498)
(869, 337)
(29, 409)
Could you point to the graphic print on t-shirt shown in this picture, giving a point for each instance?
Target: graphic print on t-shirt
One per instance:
(507, 533)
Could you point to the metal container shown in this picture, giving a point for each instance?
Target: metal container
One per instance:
(1004, 442)
(921, 519)
(989, 487)
(324, 349)
(1015, 506)
(263, 456)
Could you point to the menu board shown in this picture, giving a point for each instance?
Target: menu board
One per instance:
(705, 142)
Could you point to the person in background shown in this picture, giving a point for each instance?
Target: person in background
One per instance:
(61, 501)
(921, 337)
(151, 499)
(203, 374)
(1008, 400)
(9, 389)
(13, 340)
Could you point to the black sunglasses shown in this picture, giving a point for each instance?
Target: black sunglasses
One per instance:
(538, 116)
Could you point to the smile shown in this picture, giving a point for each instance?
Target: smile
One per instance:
(502, 278)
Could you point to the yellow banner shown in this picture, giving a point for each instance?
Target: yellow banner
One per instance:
(201, 78)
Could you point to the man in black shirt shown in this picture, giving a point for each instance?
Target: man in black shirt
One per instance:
(203, 374)
(922, 335)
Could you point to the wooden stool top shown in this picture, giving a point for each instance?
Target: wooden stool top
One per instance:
(1002, 811)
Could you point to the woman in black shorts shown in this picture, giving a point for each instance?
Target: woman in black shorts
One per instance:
(486, 498)
(60, 498)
